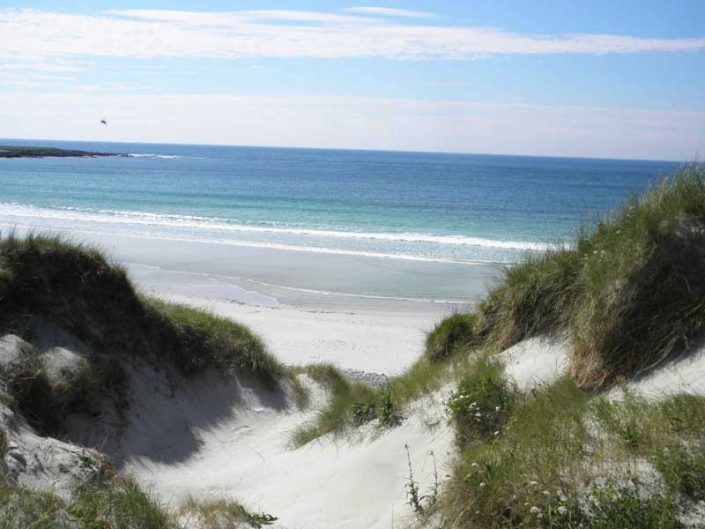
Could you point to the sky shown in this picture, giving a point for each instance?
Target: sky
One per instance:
(596, 78)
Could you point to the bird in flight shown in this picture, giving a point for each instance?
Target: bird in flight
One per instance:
(104, 122)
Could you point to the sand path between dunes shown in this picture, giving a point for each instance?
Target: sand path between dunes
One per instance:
(214, 439)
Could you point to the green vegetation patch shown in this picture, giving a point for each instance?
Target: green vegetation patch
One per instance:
(350, 403)
(481, 405)
(534, 297)
(455, 332)
(223, 514)
(531, 466)
(353, 404)
(30, 151)
(565, 459)
(117, 503)
(627, 292)
(75, 287)
(670, 435)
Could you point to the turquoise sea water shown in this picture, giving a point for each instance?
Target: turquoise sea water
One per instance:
(419, 206)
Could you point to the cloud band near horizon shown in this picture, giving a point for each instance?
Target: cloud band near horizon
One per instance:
(359, 123)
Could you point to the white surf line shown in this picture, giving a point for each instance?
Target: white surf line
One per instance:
(253, 244)
(192, 221)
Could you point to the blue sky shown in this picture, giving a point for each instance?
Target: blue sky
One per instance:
(471, 76)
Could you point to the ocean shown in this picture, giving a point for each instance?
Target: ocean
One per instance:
(456, 208)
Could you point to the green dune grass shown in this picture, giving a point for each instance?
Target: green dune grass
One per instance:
(626, 292)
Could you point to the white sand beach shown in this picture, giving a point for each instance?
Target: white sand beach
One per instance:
(367, 314)
(359, 313)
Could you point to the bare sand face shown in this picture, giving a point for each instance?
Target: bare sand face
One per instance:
(214, 439)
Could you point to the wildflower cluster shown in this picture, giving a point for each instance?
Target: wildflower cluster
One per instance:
(480, 407)
(544, 507)
(552, 507)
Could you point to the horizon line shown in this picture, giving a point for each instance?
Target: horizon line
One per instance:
(694, 160)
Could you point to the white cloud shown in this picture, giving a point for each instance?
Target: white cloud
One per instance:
(160, 34)
(43, 66)
(237, 18)
(353, 122)
(390, 11)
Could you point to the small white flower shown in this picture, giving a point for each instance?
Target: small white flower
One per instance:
(562, 510)
(497, 408)
(482, 484)
(533, 483)
(474, 465)
(497, 432)
(535, 510)
(546, 493)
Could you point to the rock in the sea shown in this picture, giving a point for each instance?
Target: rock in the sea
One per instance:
(61, 364)
(12, 350)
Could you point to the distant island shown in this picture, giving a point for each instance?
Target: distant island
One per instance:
(8, 151)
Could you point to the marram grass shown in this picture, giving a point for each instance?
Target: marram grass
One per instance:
(626, 292)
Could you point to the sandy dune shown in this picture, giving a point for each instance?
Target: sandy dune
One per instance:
(211, 438)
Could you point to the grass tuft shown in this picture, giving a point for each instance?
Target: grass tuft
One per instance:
(222, 514)
(480, 407)
(454, 332)
(345, 407)
(117, 503)
(533, 297)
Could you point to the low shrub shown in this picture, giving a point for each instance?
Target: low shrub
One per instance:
(116, 503)
(45, 406)
(457, 331)
(683, 468)
(536, 461)
(617, 505)
(481, 405)
(388, 412)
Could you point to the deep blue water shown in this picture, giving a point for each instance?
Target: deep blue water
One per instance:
(417, 205)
